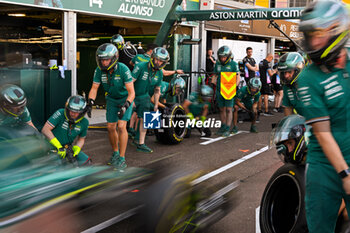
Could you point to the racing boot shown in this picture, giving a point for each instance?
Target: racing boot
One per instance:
(253, 129)
(119, 164)
(143, 148)
(221, 130)
(226, 133)
(115, 156)
(135, 142)
(234, 130)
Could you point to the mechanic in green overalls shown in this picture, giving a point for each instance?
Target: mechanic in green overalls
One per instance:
(247, 98)
(13, 110)
(289, 67)
(197, 106)
(67, 124)
(148, 77)
(177, 88)
(147, 56)
(143, 57)
(116, 80)
(323, 88)
(164, 89)
(225, 64)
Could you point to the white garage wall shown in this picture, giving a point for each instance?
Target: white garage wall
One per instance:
(238, 48)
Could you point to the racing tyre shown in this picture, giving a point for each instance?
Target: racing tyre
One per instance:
(282, 208)
(174, 133)
(188, 133)
(167, 204)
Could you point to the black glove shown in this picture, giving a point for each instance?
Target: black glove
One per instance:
(89, 107)
(123, 109)
(70, 156)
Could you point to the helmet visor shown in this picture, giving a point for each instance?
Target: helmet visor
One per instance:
(158, 64)
(15, 111)
(286, 76)
(254, 90)
(104, 63)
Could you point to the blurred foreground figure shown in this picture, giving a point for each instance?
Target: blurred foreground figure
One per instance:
(13, 110)
(324, 90)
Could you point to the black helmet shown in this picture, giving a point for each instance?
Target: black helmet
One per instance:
(177, 86)
(12, 100)
(160, 54)
(293, 128)
(77, 104)
(104, 52)
(225, 52)
(206, 93)
(326, 18)
(118, 41)
(254, 86)
(292, 61)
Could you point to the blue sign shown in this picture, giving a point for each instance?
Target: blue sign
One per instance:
(151, 120)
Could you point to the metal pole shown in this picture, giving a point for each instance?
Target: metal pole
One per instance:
(70, 46)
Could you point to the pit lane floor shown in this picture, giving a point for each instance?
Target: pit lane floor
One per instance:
(252, 172)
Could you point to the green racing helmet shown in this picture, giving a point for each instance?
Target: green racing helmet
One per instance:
(105, 52)
(12, 100)
(289, 62)
(118, 41)
(160, 54)
(77, 104)
(224, 52)
(177, 86)
(323, 19)
(293, 128)
(206, 93)
(254, 86)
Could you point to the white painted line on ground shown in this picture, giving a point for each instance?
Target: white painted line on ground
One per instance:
(228, 166)
(211, 140)
(112, 221)
(257, 222)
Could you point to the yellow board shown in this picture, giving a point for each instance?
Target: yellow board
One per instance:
(228, 85)
(263, 3)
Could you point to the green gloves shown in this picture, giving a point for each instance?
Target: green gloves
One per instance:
(76, 150)
(190, 115)
(60, 150)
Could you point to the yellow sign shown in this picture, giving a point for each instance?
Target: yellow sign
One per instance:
(228, 85)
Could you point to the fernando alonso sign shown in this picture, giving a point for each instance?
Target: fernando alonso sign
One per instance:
(154, 10)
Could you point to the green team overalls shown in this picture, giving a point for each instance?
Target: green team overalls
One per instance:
(8, 120)
(140, 58)
(66, 133)
(146, 79)
(325, 96)
(291, 98)
(246, 98)
(196, 107)
(116, 92)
